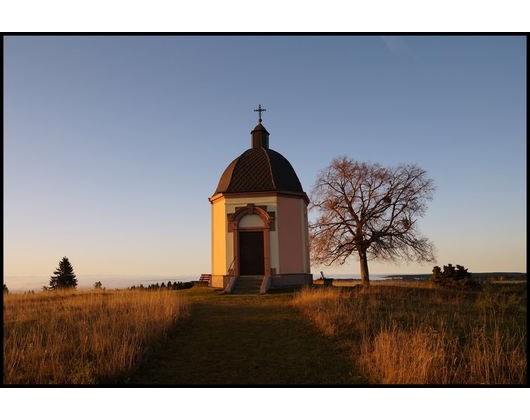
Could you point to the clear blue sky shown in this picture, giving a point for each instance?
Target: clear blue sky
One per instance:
(112, 145)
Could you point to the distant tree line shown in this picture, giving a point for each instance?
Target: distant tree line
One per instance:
(499, 276)
(170, 286)
(27, 292)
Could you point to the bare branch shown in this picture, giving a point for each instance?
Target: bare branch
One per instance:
(370, 211)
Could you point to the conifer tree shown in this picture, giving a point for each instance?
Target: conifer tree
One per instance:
(64, 276)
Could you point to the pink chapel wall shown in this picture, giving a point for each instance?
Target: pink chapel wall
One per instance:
(291, 236)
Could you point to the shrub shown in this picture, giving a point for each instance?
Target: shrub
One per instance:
(453, 278)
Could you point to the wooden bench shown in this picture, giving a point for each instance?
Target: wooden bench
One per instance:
(204, 279)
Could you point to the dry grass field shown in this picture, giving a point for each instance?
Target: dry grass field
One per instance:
(83, 337)
(418, 335)
(384, 334)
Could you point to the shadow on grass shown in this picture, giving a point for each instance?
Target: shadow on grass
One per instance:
(232, 340)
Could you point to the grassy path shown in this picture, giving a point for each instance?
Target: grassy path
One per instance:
(246, 340)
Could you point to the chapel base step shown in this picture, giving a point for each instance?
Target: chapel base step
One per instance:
(248, 285)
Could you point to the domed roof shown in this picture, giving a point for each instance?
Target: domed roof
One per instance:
(259, 169)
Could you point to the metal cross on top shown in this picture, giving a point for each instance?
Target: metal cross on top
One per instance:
(260, 110)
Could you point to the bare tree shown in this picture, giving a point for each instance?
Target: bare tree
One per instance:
(370, 211)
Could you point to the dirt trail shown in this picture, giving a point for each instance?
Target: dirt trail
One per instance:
(246, 340)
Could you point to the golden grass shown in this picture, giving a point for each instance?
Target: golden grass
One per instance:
(408, 335)
(83, 337)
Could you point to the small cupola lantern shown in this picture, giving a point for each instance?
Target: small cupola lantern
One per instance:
(259, 220)
(260, 136)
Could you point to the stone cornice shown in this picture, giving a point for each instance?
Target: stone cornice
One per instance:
(249, 194)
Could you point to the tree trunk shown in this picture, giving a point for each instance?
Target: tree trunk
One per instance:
(365, 275)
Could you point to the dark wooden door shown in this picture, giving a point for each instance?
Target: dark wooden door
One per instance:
(251, 253)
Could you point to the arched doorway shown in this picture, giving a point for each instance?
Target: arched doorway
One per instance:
(251, 244)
